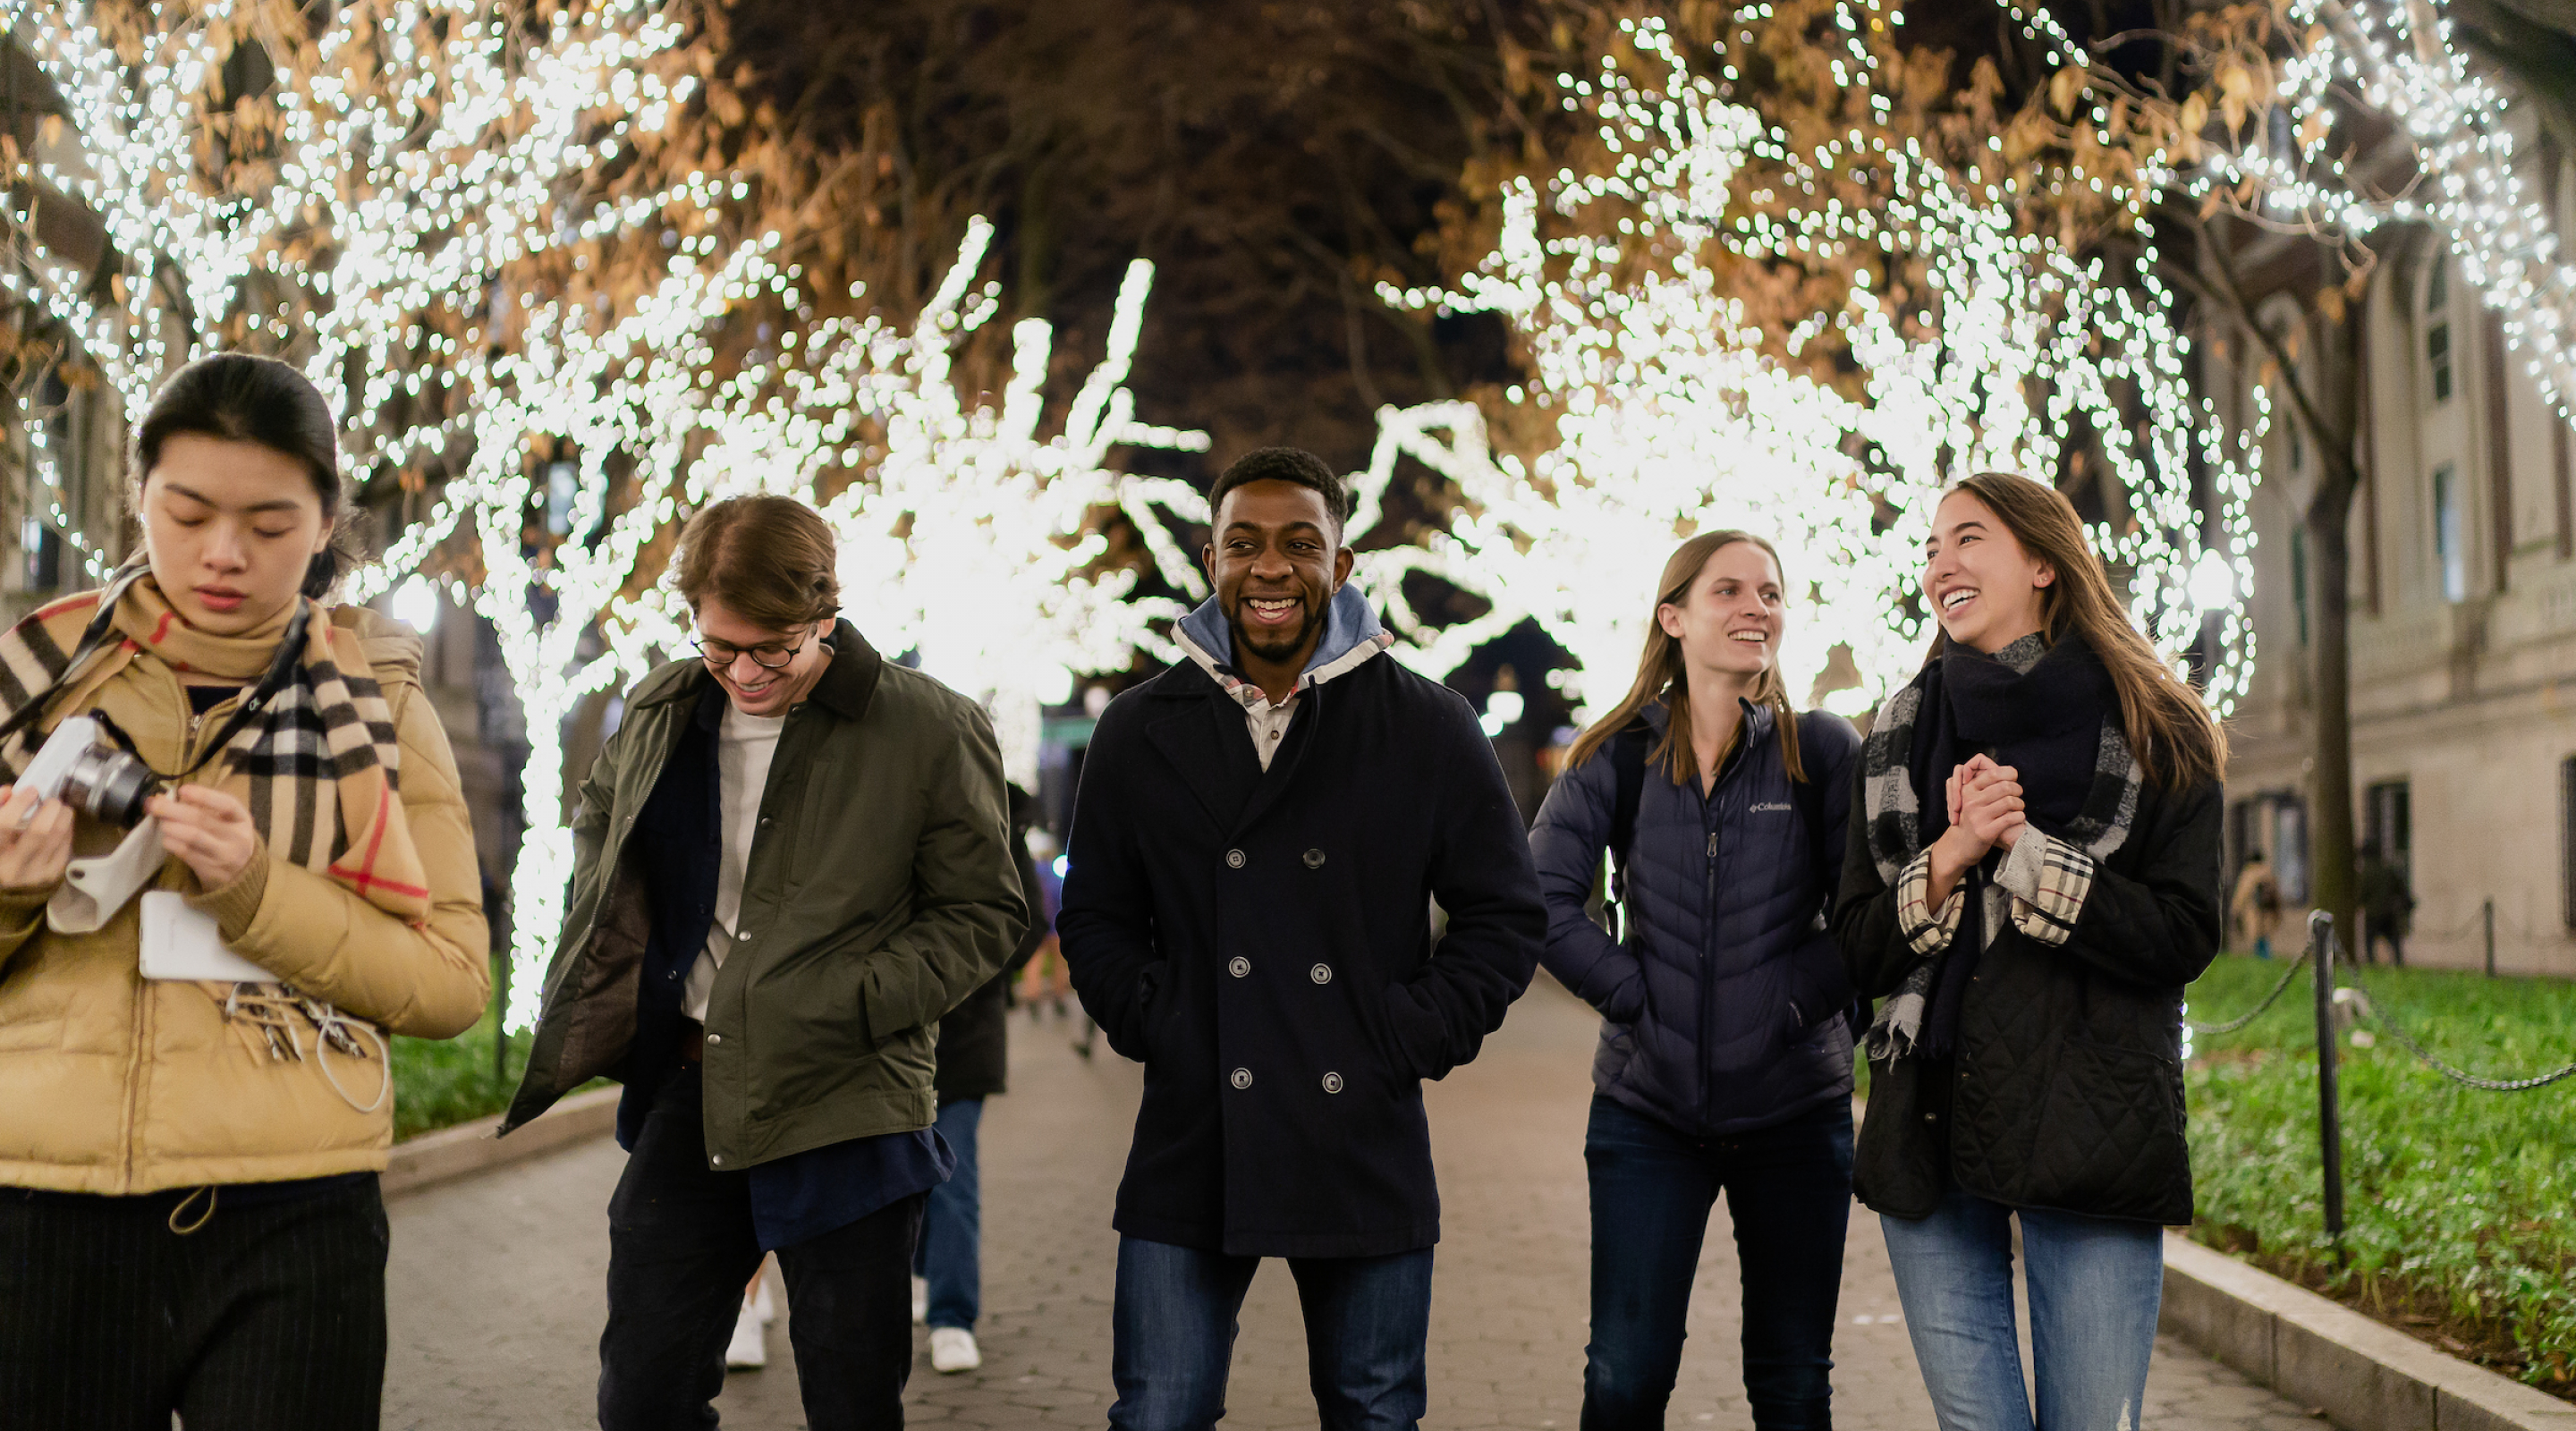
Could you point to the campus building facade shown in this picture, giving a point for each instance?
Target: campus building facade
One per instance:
(2463, 608)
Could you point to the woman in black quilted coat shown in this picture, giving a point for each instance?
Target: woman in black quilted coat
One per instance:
(2032, 876)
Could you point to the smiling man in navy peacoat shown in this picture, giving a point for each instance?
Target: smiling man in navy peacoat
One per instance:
(1259, 837)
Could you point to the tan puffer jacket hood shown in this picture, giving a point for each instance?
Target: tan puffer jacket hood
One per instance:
(112, 1084)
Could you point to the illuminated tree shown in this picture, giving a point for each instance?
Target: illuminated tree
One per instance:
(476, 234)
(1717, 337)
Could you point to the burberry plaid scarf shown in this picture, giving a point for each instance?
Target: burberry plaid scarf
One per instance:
(319, 766)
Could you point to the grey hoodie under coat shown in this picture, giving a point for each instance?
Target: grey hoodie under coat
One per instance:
(1722, 1012)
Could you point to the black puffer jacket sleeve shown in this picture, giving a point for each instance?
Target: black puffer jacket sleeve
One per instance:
(1830, 752)
(1864, 912)
(1573, 830)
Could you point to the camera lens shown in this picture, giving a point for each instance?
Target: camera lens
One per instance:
(110, 786)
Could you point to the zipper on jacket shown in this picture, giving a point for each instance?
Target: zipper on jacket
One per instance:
(137, 1070)
(1708, 951)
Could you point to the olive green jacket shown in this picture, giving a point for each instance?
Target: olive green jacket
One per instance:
(880, 892)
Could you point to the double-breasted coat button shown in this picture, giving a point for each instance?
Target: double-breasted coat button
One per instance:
(1234, 859)
(1332, 1083)
(1321, 973)
(1238, 966)
(1242, 1078)
(1314, 859)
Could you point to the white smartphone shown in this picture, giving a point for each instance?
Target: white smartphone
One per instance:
(184, 943)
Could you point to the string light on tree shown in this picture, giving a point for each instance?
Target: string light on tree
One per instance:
(1668, 413)
(2444, 158)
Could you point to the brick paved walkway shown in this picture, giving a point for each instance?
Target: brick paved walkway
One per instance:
(497, 1303)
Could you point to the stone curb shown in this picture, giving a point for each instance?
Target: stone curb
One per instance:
(470, 1148)
(2367, 1377)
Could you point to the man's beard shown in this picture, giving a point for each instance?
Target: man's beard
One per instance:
(1279, 647)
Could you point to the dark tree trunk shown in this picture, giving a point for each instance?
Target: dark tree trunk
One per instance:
(2323, 396)
(2330, 834)
(2326, 399)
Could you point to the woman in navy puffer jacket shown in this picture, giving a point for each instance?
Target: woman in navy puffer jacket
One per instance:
(1725, 1060)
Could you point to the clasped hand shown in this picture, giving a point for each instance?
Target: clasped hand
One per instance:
(1985, 804)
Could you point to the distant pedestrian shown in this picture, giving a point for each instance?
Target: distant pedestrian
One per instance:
(789, 861)
(1725, 1060)
(190, 1221)
(2032, 880)
(2387, 905)
(2257, 905)
(1256, 846)
(974, 1052)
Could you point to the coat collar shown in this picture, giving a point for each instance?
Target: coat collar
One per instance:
(1351, 636)
(846, 687)
(1758, 720)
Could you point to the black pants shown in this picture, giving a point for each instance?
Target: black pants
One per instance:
(270, 1314)
(2376, 929)
(1788, 1194)
(681, 1248)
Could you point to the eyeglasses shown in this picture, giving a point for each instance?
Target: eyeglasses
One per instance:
(769, 656)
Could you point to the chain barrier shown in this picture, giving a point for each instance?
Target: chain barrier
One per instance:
(2232, 1025)
(2370, 1009)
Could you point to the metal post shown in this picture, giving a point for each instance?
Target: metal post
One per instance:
(2329, 1116)
(501, 1019)
(2490, 917)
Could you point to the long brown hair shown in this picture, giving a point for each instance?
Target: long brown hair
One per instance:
(2171, 732)
(1661, 676)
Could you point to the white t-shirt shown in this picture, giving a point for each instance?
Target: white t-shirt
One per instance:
(744, 746)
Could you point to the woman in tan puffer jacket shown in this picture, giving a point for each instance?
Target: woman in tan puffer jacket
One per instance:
(189, 1218)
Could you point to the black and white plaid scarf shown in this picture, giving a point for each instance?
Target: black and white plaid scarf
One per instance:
(1905, 766)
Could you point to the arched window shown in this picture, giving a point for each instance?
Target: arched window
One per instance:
(2437, 328)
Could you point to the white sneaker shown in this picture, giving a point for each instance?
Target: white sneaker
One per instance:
(920, 1300)
(749, 1349)
(953, 1349)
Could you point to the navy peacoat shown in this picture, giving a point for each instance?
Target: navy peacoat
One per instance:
(1263, 942)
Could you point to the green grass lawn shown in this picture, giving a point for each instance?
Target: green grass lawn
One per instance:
(439, 1083)
(2460, 1205)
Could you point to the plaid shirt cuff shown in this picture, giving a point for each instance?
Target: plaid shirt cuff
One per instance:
(1928, 930)
(2048, 880)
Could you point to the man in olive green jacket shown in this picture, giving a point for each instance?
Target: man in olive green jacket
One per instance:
(790, 860)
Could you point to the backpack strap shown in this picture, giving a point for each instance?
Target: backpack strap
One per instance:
(1809, 796)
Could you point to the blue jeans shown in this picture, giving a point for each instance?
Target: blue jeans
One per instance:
(2095, 1285)
(950, 1253)
(1367, 1319)
(1788, 1192)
